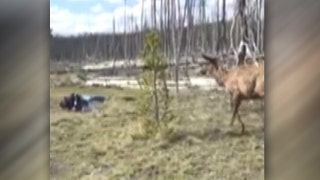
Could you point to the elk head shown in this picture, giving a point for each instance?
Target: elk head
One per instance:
(218, 72)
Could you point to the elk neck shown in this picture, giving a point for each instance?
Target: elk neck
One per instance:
(220, 75)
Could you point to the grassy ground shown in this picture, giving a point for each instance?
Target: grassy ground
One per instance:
(203, 146)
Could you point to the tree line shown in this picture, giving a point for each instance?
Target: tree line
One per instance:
(182, 34)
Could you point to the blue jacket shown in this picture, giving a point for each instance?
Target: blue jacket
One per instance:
(84, 101)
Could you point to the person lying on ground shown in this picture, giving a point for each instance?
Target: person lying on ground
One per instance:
(68, 102)
(80, 102)
(84, 102)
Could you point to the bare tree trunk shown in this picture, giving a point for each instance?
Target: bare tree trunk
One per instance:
(161, 26)
(212, 30)
(190, 30)
(241, 16)
(218, 34)
(224, 27)
(234, 21)
(142, 25)
(169, 12)
(153, 13)
(156, 99)
(188, 33)
(191, 34)
(165, 33)
(180, 33)
(125, 49)
(201, 8)
(258, 21)
(173, 40)
(244, 23)
(237, 36)
(261, 9)
(96, 49)
(113, 47)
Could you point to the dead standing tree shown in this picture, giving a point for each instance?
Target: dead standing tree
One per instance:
(224, 27)
(246, 34)
(239, 18)
(255, 14)
(253, 21)
(173, 41)
(125, 48)
(177, 45)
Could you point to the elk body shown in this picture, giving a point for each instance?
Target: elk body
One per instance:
(244, 82)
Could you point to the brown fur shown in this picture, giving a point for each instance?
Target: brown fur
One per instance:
(244, 82)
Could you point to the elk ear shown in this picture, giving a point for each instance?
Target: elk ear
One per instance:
(213, 60)
(242, 54)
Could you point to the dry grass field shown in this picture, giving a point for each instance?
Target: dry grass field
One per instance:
(100, 145)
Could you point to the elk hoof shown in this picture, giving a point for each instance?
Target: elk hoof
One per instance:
(242, 129)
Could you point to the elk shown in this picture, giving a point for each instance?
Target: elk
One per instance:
(244, 82)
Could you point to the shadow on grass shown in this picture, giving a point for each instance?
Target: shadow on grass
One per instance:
(256, 132)
(128, 98)
(211, 134)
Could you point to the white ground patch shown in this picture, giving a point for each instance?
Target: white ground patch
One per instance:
(205, 83)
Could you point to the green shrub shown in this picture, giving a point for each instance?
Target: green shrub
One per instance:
(153, 103)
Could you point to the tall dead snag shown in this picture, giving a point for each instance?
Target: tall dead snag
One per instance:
(218, 33)
(224, 26)
(177, 55)
(242, 83)
(154, 100)
(239, 18)
(112, 49)
(174, 42)
(258, 13)
(261, 32)
(153, 13)
(221, 45)
(202, 15)
(189, 8)
(125, 49)
(161, 22)
(244, 18)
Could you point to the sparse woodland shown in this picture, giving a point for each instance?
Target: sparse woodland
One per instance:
(122, 141)
(185, 32)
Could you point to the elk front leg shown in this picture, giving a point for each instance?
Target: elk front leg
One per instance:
(242, 124)
(231, 102)
(236, 101)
